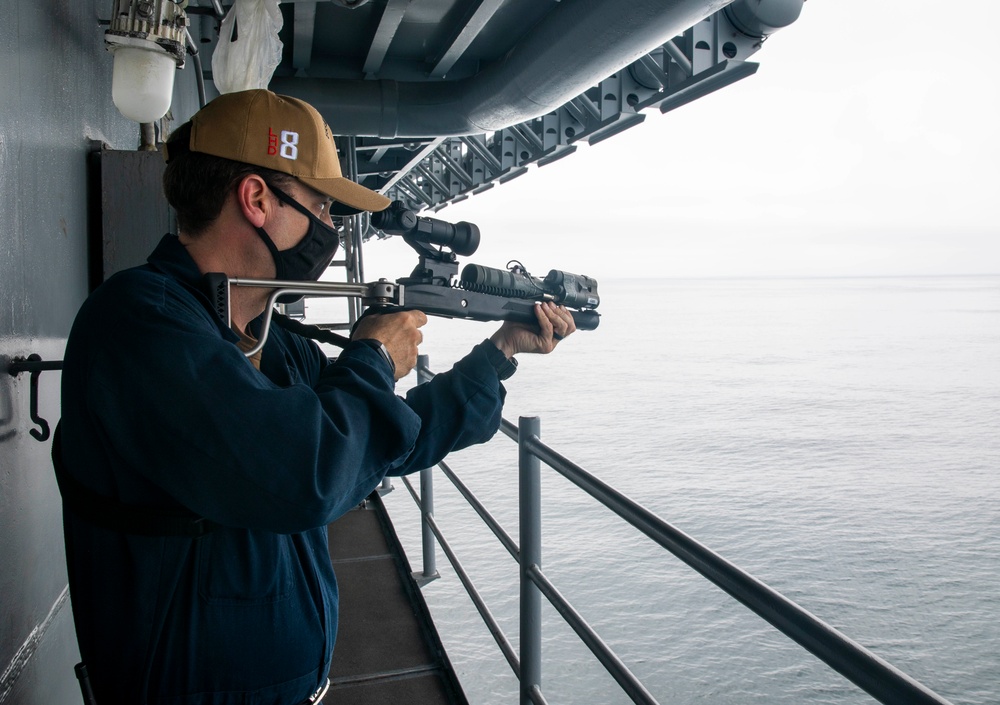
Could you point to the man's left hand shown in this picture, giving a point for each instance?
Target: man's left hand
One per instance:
(554, 324)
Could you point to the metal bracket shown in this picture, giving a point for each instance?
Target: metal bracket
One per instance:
(35, 365)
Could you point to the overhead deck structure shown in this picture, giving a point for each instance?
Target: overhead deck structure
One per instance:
(449, 98)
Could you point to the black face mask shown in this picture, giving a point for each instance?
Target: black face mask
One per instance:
(310, 258)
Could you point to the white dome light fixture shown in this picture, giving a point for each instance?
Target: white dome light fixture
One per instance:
(147, 40)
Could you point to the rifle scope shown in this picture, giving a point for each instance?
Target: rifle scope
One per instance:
(573, 290)
(397, 219)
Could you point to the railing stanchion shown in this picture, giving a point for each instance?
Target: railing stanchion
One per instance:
(426, 496)
(530, 523)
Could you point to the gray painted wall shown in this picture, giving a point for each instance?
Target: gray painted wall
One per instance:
(55, 99)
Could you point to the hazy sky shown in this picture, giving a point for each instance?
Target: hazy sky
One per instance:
(864, 144)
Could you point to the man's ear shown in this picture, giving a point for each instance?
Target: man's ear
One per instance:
(253, 199)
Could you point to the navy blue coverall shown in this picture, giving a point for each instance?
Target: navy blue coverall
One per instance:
(160, 407)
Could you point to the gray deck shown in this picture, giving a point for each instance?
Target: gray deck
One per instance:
(387, 650)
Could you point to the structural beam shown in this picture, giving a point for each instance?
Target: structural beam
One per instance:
(388, 25)
(305, 26)
(473, 23)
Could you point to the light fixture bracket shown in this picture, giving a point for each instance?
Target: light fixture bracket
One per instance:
(153, 25)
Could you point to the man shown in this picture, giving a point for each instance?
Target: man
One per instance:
(198, 483)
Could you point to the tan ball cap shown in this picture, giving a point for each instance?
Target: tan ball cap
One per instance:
(281, 133)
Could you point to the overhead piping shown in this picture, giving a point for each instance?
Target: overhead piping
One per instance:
(578, 44)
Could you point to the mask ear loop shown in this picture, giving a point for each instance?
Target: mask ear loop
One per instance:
(279, 269)
(279, 272)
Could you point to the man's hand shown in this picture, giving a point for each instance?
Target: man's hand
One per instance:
(554, 324)
(399, 332)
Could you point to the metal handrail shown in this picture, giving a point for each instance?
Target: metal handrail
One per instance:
(502, 536)
(879, 678)
(608, 658)
(470, 587)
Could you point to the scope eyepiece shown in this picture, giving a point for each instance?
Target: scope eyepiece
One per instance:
(462, 238)
(396, 219)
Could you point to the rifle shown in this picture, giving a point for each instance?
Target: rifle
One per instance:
(434, 286)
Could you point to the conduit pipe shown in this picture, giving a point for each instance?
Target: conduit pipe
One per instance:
(576, 46)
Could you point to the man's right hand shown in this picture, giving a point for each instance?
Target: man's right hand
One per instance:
(399, 332)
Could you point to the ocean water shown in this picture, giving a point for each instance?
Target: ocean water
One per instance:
(839, 439)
